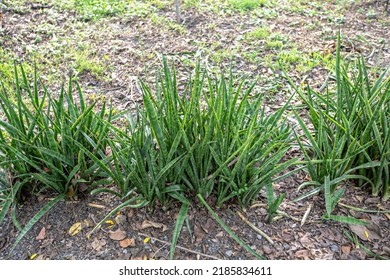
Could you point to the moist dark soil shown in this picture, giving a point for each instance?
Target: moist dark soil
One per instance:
(125, 236)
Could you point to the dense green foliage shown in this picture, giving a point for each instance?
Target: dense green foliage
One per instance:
(38, 135)
(207, 137)
(349, 139)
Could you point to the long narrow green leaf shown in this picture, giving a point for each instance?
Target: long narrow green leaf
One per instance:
(178, 226)
(347, 220)
(134, 202)
(328, 196)
(37, 217)
(228, 230)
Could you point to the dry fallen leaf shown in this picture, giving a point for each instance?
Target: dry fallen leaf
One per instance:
(42, 234)
(127, 242)
(306, 241)
(82, 187)
(87, 223)
(234, 228)
(208, 225)
(369, 232)
(98, 244)
(148, 224)
(199, 234)
(120, 219)
(75, 229)
(346, 249)
(374, 231)
(130, 214)
(71, 192)
(386, 250)
(357, 254)
(302, 254)
(118, 235)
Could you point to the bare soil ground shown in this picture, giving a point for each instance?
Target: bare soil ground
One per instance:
(124, 48)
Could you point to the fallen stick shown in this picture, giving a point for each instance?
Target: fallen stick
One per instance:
(179, 247)
(284, 214)
(304, 218)
(96, 205)
(259, 231)
(365, 210)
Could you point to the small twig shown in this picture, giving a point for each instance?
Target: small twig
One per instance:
(87, 255)
(304, 218)
(179, 247)
(259, 231)
(284, 214)
(159, 249)
(371, 54)
(259, 205)
(364, 210)
(96, 205)
(325, 83)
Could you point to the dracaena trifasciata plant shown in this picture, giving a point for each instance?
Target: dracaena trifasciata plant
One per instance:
(349, 139)
(40, 139)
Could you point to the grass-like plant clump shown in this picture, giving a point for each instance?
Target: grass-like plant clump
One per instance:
(350, 139)
(38, 135)
(209, 139)
(212, 139)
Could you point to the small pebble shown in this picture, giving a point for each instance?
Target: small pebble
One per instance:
(267, 249)
(334, 248)
(229, 253)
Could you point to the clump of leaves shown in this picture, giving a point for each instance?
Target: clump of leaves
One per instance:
(211, 139)
(350, 139)
(38, 135)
